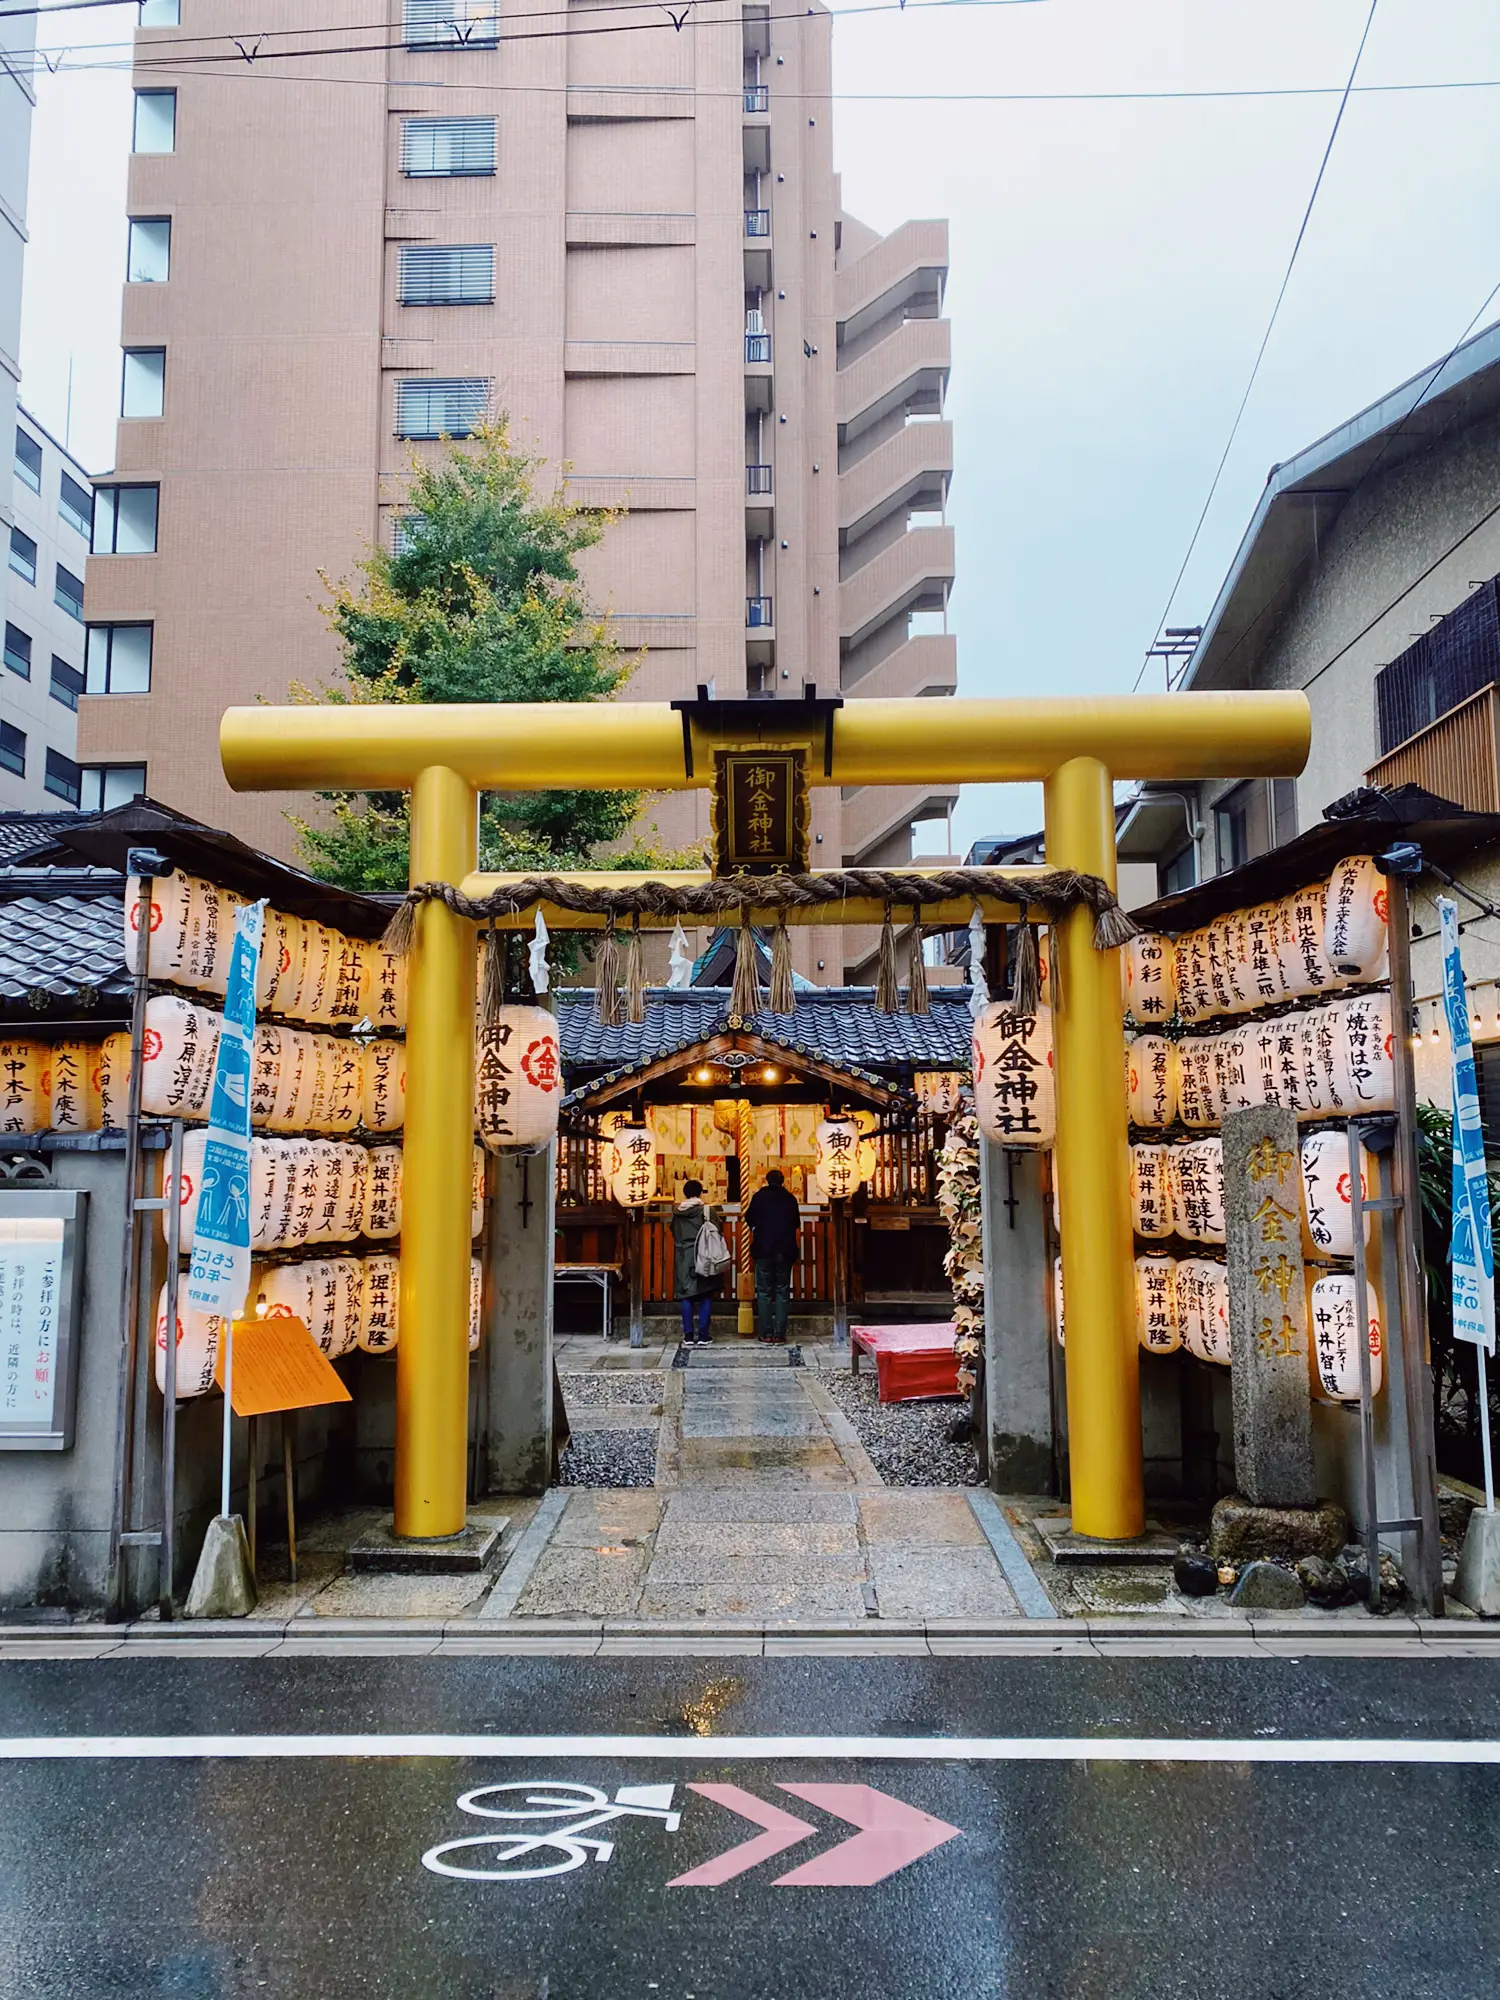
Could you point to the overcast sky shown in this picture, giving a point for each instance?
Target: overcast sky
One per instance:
(1113, 268)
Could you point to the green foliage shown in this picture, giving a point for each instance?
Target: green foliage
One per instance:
(484, 605)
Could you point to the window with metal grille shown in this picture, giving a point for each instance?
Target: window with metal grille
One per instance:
(442, 146)
(1459, 656)
(76, 504)
(447, 274)
(17, 650)
(67, 683)
(28, 461)
(63, 778)
(67, 593)
(12, 749)
(117, 659)
(23, 555)
(125, 520)
(450, 24)
(433, 406)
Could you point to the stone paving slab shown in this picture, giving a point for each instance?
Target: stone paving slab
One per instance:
(625, 1515)
(740, 1541)
(752, 1601)
(702, 1563)
(567, 1580)
(912, 1519)
(721, 1504)
(939, 1583)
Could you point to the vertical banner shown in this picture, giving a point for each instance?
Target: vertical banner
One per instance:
(1473, 1245)
(220, 1274)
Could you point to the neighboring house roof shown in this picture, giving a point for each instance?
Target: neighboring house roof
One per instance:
(21, 833)
(1303, 499)
(62, 948)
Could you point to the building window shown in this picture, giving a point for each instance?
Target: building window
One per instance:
(451, 24)
(28, 461)
(444, 146)
(1181, 872)
(1283, 811)
(67, 683)
(431, 407)
(103, 786)
(155, 122)
(63, 780)
(160, 13)
(67, 593)
(12, 749)
(1252, 819)
(149, 259)
(125, 520)
(453, 274)
(23, 555)
(117, 659)
(17, 651)
(76, 504)
(404, 533)
(143, 382)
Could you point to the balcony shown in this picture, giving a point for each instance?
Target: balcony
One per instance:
(757, 372)
(757, 249)
(757, 97)
(1457, 757)
(910, 470)
(757, 478)
(905, 272)
(875, 814)
(909, 371)
(760, 506)
(757, 222)
(926, 664)
(913, 573)
(759, 614)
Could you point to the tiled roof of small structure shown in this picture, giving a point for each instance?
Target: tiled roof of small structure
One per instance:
(837, 1025)
(21, 832)
(62, 946)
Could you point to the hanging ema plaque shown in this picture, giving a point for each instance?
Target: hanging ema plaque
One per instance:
(760, 812)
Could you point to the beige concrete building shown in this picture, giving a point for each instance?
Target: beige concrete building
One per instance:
(626, 234)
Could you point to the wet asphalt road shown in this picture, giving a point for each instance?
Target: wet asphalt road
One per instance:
(215, 1877)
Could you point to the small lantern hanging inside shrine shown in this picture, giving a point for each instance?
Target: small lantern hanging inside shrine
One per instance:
(1013, 1078)
(518, 1082)
(1156, 1305)
(632, 1169)
(838, 1168)
(1335, 1348)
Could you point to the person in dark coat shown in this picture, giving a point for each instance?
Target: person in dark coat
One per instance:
(695, 1291)
(773, 1216)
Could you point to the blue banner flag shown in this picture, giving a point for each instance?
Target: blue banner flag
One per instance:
(1473, 1244)
(219, 1277)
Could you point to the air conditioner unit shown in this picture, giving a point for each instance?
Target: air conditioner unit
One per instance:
(755, 321)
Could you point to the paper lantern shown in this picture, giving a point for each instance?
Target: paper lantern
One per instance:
(325, 1322)
(352, 1192)
(350, 978)
(346, 1084)
(23, 1101)
(1235, 929)
(265, 1076)
(268, 1165)
(210, 938)
(476, 1195)
(383, 1103)
(382, 1192)
(631, 1165)
(170, 922)
(1332, 1323)
(328, 1167)
(1299, 942)
(1198, 1190)
(1014, 1095)
(380, 1307)
(1150, 979)
(1198, 1082)
(178, 1048)
(1057, 1301)
(1354, 937)
(307, 1193)
(1236, 1074)
(1327, 1207)
(323, 1059)
(1195, 994)
(349, 1302)
(1325, 1060)
(288, 1292)
(838, 1159)
(1203, 1309)
(72, 1088)
(277, 970)
(1151, 1191)
(385, 988)
(319, 974)
(1156, 1305)
(198, 1337)
(1151, 1077)
(1218, 939)
(1262, 976)
(1276, 1047)
(112, 1081)
(939, 1092)
(518, 1081)
(285, 1191)
(1364, 1024)
(476, 1302)
(193, 1146)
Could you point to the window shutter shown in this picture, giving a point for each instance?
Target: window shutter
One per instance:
(452, 274)
(432, 146)
(450, 24)
(435, 406)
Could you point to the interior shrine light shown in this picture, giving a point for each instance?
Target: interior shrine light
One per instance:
(769, 1075)
(261, 1306)
(705, 1076)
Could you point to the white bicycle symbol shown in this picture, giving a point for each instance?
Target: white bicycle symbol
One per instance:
(547, 1799)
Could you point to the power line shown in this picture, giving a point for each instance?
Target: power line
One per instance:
(1234, 429)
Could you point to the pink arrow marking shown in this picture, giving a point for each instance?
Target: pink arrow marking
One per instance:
(891, 1835)
(783, 1830)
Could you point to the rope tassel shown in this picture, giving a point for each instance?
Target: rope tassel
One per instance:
(745, 999)
(492, 990)
(887, 988)
(635, 976)
(1026, 987)
(916, 983)
(783, 992)
(607, 1011)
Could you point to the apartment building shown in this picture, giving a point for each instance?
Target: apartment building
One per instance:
(47, 544)
(623, 230)
(17, 101)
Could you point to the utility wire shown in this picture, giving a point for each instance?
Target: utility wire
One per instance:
(1234, 429)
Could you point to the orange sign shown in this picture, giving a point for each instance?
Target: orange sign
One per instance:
(279, 1366)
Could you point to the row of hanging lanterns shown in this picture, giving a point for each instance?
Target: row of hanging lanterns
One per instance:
(847, 1158)
(1179, 1191)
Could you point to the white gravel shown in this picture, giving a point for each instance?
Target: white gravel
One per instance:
(589, 1386)
(907, 1441)
(609, 1458)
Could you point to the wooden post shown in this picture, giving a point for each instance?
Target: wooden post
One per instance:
(838, 1267)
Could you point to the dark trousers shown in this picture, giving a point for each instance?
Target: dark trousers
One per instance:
(773, 1296)
(696, 1314)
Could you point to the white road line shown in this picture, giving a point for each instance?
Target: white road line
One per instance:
(739, 1749)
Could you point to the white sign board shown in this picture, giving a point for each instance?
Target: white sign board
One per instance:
(39, 1273)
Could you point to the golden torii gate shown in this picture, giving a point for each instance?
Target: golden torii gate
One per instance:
(1077, 746)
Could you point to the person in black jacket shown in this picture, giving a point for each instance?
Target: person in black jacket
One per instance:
(773, 1216)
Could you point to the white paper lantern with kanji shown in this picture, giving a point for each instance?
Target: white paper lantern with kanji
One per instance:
(178, 1047)
(1238, 968)
(326, 1305)
(265, 1076)
(476, 1302)
(1199, 1084)
(72, 1089)
(1333, 1320)
(632, 1166)
(380, 1306)
(346, 1087)
(289, 1162)
(1156, 1327)
(194, 1145)
(1150, 979)
(1151, 1078)
(1057, 1302)
(319, 974)
(322, 1057)
(325, 1171)
(288, 1293)
(1203, 1309)
(23, 1101)
(384, 1086)
(1276, 1047)
(1364, 1026)
(307, 1205)
(1151, 1191)
(1327, 1208)
(518, 1081)
(1299, 942)
(1263, 972)
(1014, 1094)
(1219, 937)
(293, 1093)
(170, 922)
(278, 956)
(198, 1338)
(382, 1192)
(1354, 924)
(1237, 1073)
(939, 1092)
(1198, 1190)
(349, 1301)
(267, 1168)
(838, 1173)
(1195, 993)
(346, 1006)
(112, 1081)
(212, 941)
(385, 988)
(351, 1214)
(476, 1196)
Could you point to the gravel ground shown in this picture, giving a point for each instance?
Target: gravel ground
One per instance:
(907, 1441)
(609, 1458)
(596, 1385)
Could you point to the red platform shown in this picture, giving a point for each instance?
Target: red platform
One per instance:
(910, 1361)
